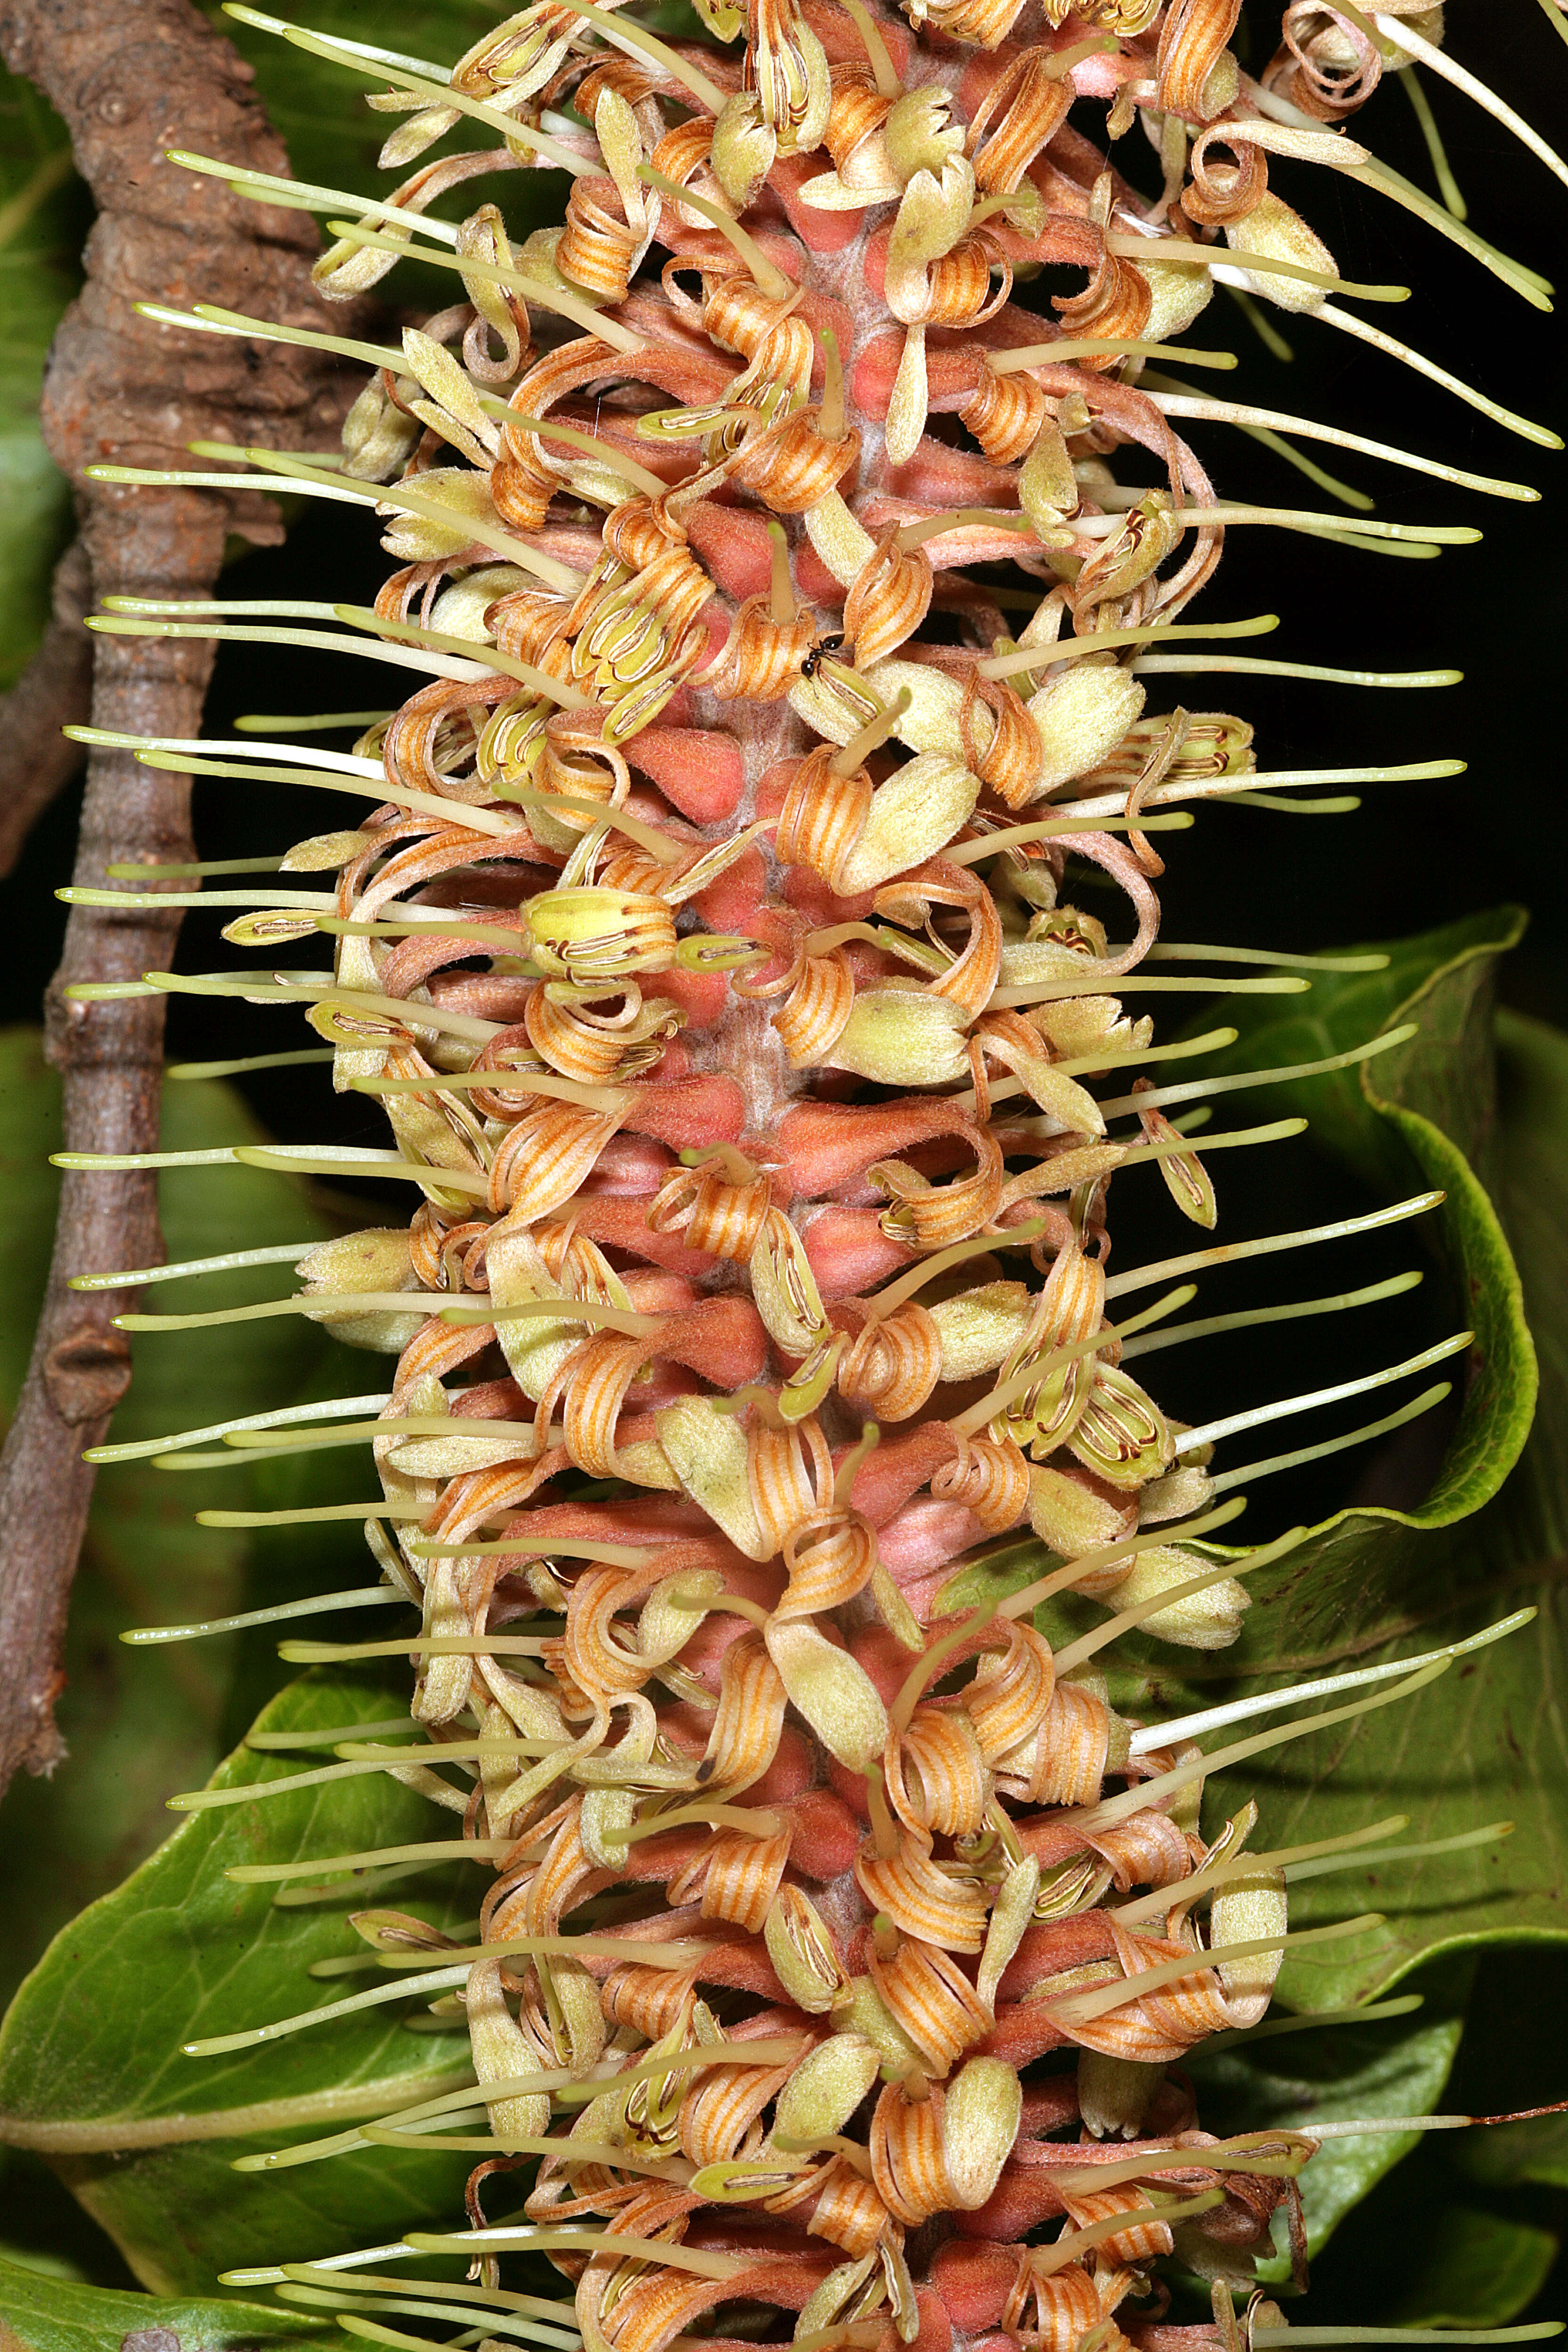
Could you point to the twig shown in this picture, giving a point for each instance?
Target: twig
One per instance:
(55, 690)
(130, 82)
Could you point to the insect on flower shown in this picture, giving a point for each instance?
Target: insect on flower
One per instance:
(762, 1037)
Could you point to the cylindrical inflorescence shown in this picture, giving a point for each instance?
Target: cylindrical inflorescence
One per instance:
(713, 947)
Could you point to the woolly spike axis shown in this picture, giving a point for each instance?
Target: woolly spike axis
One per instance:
(713, 947)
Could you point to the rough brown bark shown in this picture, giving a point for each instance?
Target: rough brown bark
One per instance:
(55, 690)
(130, 82)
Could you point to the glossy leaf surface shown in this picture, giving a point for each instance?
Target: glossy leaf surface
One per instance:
(50, 2315)
(92, 2072)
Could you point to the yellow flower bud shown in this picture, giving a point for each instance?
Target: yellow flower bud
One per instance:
(1274, 229)
(868, 2013)
(1047, 486)
(418, 539)
(826, 2088)
(1180, 295)
(591, 934)
(501, 2049)
(1243, 1912)
(379, 437)
(576, 2017)
(606, 1816)
(744, 147)
(980, 2119)
(452, 398)
(324, 853)
(902, 1036)
(1010, 1915)
(832, 1690)
(979, 1327)
(1181, 1494)
(1114, 2094)
(673, 1610)
(460, 610)
(1209, 1619)
(804, 1957)
(706, 1450)
(911, 399)
(1082, 714)
(377, 1259)
(913, 816)
(1070, 1515)
(929, 722)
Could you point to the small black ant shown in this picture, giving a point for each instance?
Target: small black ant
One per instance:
(813, 661)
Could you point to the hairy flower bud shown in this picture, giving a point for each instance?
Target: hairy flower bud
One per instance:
(826, 2087)
(803, 1956)
(1209, 1619)
(376, 1260)
(1082, 714)
(1177, 297)
(1249, 1909)
(902, 1037)
(980, 2118)
(1273, 229)
(744, 147)
(835, 1693)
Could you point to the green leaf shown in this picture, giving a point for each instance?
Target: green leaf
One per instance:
(1534, 2150)
(48, 2315)
(1516, 2053)
(141, 1723)
(1484, 2206)
(1487, 1743)
(41, 206)
(1528, 1524)
(92, 2072)
(1419, 1116)
(1480, 2270)
(1393, 2067)
(1426, 2250)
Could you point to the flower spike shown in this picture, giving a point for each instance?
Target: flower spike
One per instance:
(755, 953)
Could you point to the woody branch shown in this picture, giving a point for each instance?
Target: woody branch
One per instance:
(121, 388)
